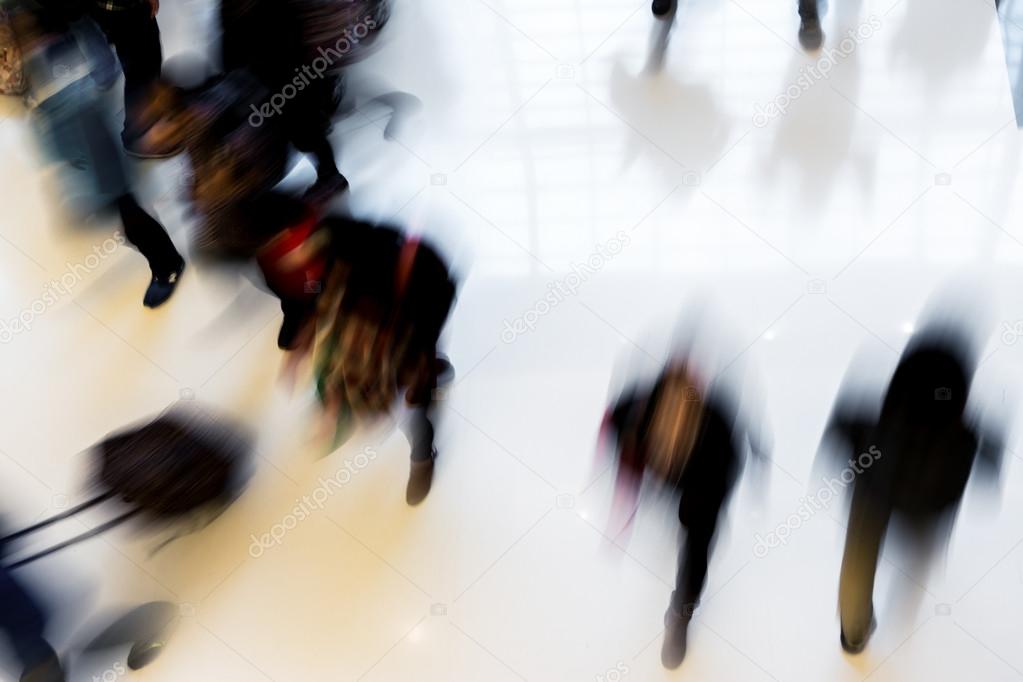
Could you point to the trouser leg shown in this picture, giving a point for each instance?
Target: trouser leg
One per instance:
(809, 9)
(868, 523)
(135, 36)
(149, 237)
(420, 430)
(694, 558)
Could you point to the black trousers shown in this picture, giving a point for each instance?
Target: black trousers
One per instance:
(149, 237)
(135, 35)
(809, 9)
(700, 522)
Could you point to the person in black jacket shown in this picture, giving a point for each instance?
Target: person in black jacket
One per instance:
(387, 300)
(690, 439)
(924, 448)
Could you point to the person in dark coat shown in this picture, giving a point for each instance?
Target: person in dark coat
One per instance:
(387, 301)
(690, 439)
(924, 449)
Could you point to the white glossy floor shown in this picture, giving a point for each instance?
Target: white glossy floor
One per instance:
(817, 233)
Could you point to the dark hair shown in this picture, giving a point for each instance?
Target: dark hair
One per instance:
(932, 381)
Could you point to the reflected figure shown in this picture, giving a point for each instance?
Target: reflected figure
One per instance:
(912, 461)
(819, 138)
(683, 118)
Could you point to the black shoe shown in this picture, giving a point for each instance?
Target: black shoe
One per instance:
(161, 288)
(661, 7)
(144, 653)
(676, 635)
(420, 480)
(811, 35)
(858, 647)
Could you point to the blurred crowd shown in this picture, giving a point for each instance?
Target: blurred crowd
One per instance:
(368, 304)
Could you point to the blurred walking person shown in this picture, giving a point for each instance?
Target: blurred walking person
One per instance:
(683, 433)
(69, 118)
(925, 449)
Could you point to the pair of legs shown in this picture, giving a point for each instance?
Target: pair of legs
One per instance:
(140, 228)
(694, 556)
(135, 35)
(73, 126)
(307, 120)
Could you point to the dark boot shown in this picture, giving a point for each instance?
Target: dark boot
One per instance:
(853, 648)
(420, 479)
(161, 287)
(811, 35)
(676, 635)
